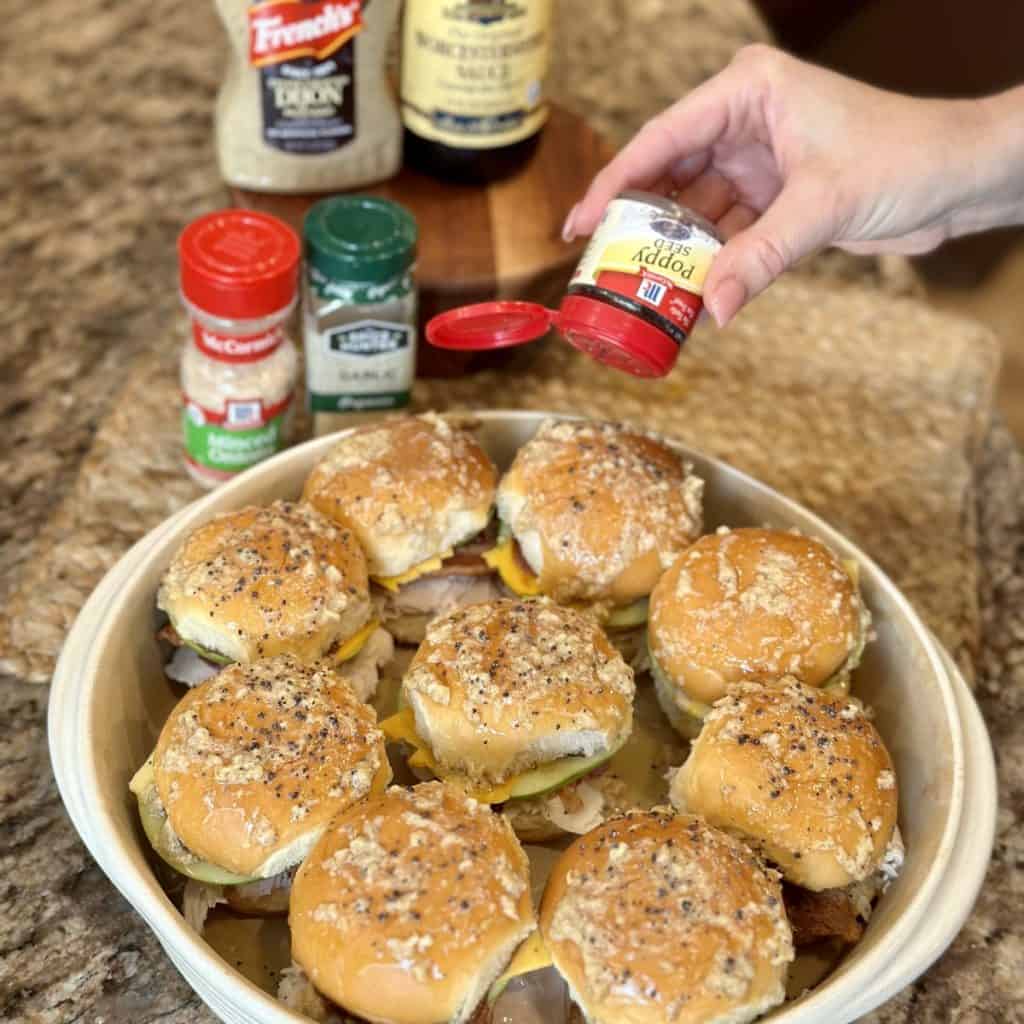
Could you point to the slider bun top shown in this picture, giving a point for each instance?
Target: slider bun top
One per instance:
(503, 686)
(752, 603)
(410, 906)
(599, 510)
(252, 764)
(265, 581)
(802, 776)
(656, 917)
(410, 488)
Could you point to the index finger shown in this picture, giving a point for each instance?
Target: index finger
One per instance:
(690, 126)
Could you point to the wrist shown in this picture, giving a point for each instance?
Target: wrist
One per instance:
(989, 133)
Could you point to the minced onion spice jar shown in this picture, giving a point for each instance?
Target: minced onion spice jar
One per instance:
(632, 301)
(239, 279)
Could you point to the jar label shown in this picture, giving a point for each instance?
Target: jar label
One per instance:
(362, 365)
(473, 73)
(304, 51)
(224, 443)
(356, 293)
(650, 256)
(236, 348)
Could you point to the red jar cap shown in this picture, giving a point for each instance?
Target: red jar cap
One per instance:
(616, 338)
(489, 325)
(610, 335)
(239, 264)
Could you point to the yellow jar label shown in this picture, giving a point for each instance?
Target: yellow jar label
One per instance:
(473, 71)
(649, 245)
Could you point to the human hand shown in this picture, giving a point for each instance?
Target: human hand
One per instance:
(788, 158)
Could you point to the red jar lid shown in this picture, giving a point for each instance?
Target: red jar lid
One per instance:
(489, 325)
(239, 264)
(611, 336)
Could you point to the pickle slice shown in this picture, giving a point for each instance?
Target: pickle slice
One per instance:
(154, 817)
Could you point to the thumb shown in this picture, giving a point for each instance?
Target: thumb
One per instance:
(793, 226)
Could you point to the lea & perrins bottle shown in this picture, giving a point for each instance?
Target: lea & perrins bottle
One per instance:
(472, 85)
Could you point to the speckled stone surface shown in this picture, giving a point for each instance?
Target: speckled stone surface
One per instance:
(106, 123)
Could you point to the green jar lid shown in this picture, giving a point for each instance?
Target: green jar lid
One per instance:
(359, 238)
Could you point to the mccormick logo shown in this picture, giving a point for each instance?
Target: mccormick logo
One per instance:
(281, 30)
(235, 349)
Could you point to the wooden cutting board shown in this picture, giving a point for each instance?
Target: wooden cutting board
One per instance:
(485, 242)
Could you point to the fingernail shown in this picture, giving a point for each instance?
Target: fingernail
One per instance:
(567, 230)
(726, 301)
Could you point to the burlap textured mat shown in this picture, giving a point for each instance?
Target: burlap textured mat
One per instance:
(867, 409)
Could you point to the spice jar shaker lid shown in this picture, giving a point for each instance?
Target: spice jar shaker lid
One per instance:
(602, 332)
(359, 239)
(239, 264)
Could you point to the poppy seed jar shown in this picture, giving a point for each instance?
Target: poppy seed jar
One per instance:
(638, 288)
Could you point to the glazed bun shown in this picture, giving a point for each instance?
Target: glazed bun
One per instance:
(599, 510)
(656, 917)
(410, 488)
(800, 775)
(410, 906)
(503, 686)
(252, 765)
(265, 581)
(751, 603)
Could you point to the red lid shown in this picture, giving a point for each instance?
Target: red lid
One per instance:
(605, 333)
(487, 325)
(616, 338)
(239, 264)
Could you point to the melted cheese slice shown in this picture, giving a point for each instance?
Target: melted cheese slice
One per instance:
(354, 644)
(392, 583)
(403, 727)
(532, 955)
(503, 558)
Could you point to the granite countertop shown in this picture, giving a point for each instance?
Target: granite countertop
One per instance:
(107, 124)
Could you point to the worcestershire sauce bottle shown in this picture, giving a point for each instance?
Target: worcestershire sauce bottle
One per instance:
(472, 85)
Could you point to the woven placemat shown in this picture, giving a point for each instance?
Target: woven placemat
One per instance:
(865, 408)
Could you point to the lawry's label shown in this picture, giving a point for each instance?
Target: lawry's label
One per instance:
(473, 71)
(244, 433)
(358, 366)
(650, 256)
(304, 51)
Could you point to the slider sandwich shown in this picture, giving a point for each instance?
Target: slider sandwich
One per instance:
(263, 581)
(752, 603)
(418, 492)
(520, 703)
(591, 515)
(407, 909)
(248, 770)
(803, 777)
(658, 918)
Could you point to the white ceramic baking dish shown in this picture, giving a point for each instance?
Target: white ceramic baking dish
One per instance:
(109, 699)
